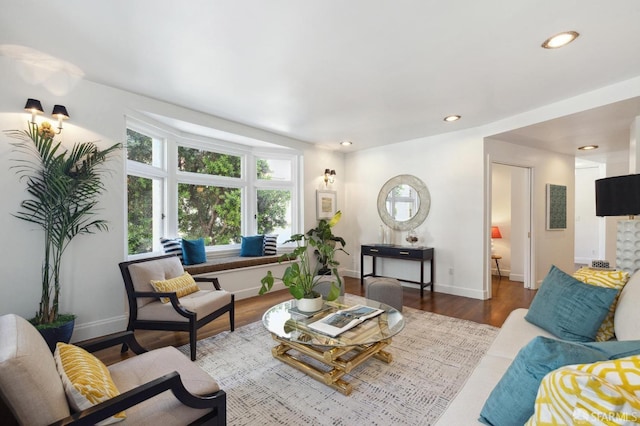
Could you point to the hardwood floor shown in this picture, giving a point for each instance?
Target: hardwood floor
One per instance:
(507, 296)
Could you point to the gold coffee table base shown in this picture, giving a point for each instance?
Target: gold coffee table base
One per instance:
(332, 357)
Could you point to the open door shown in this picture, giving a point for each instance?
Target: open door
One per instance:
(511, 211)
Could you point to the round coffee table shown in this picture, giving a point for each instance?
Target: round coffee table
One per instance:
(337, 355)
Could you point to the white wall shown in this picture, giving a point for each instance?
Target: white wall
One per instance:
(520, 223)
(451, 166)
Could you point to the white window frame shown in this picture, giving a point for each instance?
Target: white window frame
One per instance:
(248, 181)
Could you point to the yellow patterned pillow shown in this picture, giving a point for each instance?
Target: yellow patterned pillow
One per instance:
(602, 393)
(86, 380)
(609, 279)
(182, 285)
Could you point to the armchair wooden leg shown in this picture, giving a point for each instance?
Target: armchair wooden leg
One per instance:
(193, 337)
(232, 313)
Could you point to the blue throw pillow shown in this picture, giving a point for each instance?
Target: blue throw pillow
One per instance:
(512, 400)
(193, 252)
(252, 246)
(568, 308)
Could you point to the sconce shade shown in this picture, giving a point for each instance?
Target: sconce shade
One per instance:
(327, 172)
(495, 232)
(33, 106)
(618, 196)
(60, 112)
(333, 173)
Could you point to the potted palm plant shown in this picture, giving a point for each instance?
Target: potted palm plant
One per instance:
(301, 277)
(64, 186)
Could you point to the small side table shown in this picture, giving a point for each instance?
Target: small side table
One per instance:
(497, 257)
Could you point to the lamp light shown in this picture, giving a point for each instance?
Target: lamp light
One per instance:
(495, 234)
(329, 176)
(620, 196)
(60, 112)
(34, 107)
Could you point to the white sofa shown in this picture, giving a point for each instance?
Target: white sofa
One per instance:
(515, 333)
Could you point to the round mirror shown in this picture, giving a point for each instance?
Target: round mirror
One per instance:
(404, 202)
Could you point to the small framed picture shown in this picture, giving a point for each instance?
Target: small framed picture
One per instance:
(326, 204)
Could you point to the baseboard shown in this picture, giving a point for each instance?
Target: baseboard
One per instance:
(457, 291)
(90, 330)
(516, 277)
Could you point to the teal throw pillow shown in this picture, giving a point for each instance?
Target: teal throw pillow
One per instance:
(568, 308)
(512, 400)
(252, 246)
(193, 252)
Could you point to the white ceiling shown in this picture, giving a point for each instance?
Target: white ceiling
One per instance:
(371, 71)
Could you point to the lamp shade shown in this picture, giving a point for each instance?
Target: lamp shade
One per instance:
(60, 112)
(495, 232)
(33, 106)
(618, 196)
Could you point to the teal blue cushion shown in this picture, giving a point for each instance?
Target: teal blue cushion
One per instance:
(193, 252)
(568, 308)
(512, 400)
(252, 246)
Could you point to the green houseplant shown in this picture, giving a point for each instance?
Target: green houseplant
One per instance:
(324, 241)
(64, 186)
(301, 277)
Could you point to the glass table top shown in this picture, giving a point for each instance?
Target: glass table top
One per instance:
(289, 325)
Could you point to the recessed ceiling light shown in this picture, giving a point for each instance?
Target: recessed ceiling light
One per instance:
(450, 118)
(588, 147)
(346, 143)
(560, 40)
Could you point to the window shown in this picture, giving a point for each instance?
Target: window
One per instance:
(214, 191)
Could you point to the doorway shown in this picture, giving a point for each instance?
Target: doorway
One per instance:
(511, 209)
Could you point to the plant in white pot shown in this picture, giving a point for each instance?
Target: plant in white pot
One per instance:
(64, 186)
(301, 277)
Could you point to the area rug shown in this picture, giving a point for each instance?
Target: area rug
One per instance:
(432, 358)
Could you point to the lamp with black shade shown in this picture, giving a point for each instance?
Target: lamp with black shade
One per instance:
(620, 196)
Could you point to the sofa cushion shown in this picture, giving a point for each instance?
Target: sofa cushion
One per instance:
(568, 308)
(627, 316)
(182, 286)
(132, 372)
(160, 269)
(86, 380)
(512, 400)
(605, 392)
(193, 252)
(604, 278)
(172, 246)
(29, 379)
(202, 302)
(252, 246)
(270, 245)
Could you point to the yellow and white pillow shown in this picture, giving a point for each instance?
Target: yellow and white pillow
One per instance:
(86, 380)
(608, 279)
(182, 286)
(602, 393)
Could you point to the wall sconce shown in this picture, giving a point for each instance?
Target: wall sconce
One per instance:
(35, 108)
(329, 176)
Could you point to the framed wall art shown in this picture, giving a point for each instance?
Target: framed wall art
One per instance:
(556, 207)
(326, 204)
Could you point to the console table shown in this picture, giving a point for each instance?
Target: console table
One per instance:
(418, 254)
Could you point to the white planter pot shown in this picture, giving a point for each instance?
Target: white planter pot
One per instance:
(310, 305)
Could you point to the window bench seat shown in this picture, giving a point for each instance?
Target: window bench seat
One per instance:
(231, 262)
(240, 275)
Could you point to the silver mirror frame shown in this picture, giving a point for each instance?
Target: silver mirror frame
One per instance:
(423, 210)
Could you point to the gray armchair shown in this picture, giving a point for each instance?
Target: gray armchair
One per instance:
(32, 389)
(187, 313)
